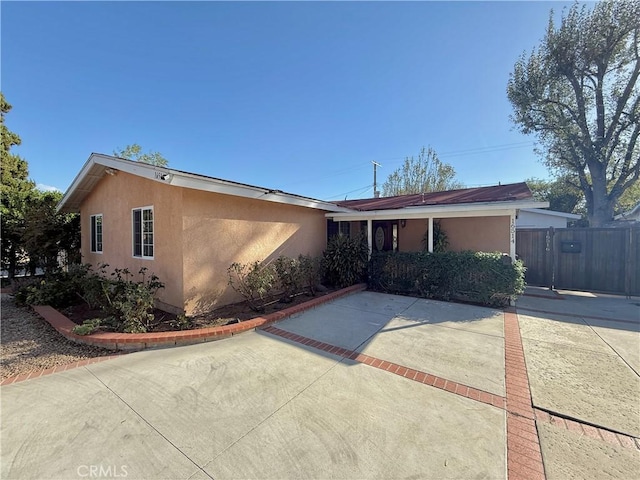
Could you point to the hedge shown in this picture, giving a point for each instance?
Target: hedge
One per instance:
(486, 278)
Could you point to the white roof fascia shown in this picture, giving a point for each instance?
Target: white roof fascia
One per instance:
(552, 213)
(480, 209)
(186, 180)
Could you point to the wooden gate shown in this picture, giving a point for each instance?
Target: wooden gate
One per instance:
(591, 259)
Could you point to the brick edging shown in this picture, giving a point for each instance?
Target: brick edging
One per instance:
(524, 456)
(592, 431)
(395, 368)
(140, 341)
(59, 368)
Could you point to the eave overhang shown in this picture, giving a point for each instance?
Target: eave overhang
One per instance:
(99, 165)
(479, 209)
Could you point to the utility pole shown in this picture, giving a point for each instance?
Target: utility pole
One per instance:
(376, 193)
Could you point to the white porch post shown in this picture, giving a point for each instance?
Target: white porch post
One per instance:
(430, 239)
(370, 236)
(512, 235)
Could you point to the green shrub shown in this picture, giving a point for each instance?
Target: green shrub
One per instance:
(440, 238)
(131, 303)
(478, 277)
(182, 322)
(253, 281)
(128, 304)
(59, 289)
(87, 327)
(345, 260)
(288, 276)
(310, 272)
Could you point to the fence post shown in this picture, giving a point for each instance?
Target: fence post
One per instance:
(552, 254)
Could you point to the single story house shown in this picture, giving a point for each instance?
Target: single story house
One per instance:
(542, 218)
(188, 228)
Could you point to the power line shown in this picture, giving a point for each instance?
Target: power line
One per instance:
(357, 190)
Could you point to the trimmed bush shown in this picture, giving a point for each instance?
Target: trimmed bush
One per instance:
(345, 260)
(310, 272)
(289, 277)
(486, 278)
(127, 304)
(253, 281)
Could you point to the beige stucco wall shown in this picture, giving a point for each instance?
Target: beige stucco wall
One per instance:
(114, 197)
(481, 234)
(410, 237)
(221, 229)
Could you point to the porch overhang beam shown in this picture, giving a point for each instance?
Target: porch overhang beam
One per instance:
(496, 209)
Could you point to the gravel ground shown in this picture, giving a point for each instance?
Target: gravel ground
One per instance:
(28, 343)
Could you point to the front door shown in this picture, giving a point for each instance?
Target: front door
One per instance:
(385, 236)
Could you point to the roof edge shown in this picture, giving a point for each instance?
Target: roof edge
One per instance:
(183, 179)
(451, 209)
(554, 213)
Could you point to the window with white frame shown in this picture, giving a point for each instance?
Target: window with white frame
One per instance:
(143, 232)
(96, 233)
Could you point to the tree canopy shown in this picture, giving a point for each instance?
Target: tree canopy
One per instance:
(561, 194)
(426, 173)
(577, 92)
(134, 152)
(33, 232)
(14, 192)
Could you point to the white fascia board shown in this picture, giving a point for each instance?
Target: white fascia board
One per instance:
(186, 180)
(484, 209)
(552, 213)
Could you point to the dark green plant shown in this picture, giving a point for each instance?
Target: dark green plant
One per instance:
(288, 276)
(182, 322)
(310, 272)
(87, 327)
(345, 260)
(440, 239)
(478, 277)
(253, 281)
(131, 303)
(128, 304)
(58, 289)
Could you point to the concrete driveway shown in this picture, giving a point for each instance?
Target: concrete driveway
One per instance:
(368, 386)
(583, 359)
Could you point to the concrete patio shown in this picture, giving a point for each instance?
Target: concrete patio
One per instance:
(367, 386)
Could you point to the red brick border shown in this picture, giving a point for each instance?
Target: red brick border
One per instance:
(524, 457)
(56, 369)
(397, 369)
(140, 341)
(592, 431)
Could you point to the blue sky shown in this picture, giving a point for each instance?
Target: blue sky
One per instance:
(290, 95)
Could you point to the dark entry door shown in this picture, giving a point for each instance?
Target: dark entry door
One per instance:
(385, 236)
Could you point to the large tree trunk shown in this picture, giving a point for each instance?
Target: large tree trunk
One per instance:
(601, 209)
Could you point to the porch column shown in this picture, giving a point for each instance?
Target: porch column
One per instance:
(370, 236)
(430, 239)
(512, 235)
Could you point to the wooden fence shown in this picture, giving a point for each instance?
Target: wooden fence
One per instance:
(590, 259)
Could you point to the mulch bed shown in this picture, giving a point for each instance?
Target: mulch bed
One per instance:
(167, 322)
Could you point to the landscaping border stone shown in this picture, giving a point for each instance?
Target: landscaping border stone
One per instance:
(141, 341)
